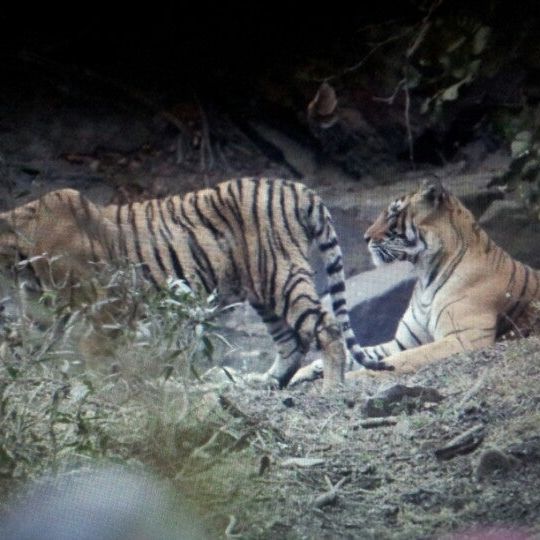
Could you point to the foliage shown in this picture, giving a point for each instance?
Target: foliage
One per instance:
(447, 69)
(453, 55)
(59, 408)
(523, 175)
(179, 323)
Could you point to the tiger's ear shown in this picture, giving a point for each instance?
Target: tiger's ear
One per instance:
(433, 192)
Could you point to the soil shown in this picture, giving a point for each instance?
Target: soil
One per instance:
(391, 484)
(397, 479)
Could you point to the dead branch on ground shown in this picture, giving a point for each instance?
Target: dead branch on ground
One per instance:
(330, 496)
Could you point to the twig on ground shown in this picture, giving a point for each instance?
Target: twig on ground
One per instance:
(327, 421)
(229, 406)
(463, 443)
(229, 531)
(472, 391)
(379, 422)
(330, 496)
(200, 451)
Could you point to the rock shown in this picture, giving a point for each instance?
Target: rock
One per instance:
(351, 403)
(462, 444)
(420, 496)
(527, 451)
(493, 460)
(288, 402)
(398, 398)
(508, 223)
(375, 320)
(376, 300)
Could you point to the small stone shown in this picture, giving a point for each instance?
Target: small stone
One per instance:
(350, 403)
(493, 460)
(399, 397)
(527, 451)
(302, 462)
(288, 402)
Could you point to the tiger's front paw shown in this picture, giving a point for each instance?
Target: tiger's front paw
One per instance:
(359, 374)
(308, 373)
(266, 380)
(379, 365)
(370, 363)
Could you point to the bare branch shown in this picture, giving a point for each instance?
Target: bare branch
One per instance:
(330, 496)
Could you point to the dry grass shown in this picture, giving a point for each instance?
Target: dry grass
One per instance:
(143, 404)
(303, 467)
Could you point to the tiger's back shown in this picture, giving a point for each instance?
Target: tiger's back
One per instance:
(240, 237)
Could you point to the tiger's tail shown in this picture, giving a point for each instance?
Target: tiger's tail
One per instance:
(327, 241)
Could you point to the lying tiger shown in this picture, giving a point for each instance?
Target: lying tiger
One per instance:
(247, 238)
(469, 290)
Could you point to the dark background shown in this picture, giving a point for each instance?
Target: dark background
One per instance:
(198, 45)
(266, 61)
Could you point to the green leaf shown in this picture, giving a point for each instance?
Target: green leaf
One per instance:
(456, 44)
(12, 371)
(208, 347)
(474, 67)
(481, 39)
(451, 93)
(530, 169)
(424, 108)
(521, 144)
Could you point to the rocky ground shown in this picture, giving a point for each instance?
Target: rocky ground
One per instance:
(454, 448)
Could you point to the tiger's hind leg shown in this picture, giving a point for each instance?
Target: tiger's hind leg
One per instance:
(307, 322)
(305, 314)
(290, 350)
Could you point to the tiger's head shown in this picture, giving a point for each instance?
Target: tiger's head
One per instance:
(415, 225)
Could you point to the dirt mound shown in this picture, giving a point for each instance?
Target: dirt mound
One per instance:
(431, 467)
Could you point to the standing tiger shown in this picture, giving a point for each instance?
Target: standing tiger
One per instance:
(248, 239)
(469, 290)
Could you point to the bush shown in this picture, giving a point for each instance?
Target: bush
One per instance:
(143, 404)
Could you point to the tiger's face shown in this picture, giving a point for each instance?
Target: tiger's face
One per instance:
(406, 229)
